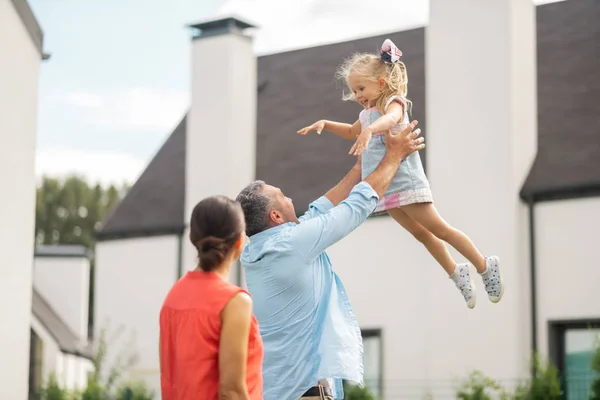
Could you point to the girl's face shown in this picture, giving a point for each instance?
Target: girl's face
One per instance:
(365, 89)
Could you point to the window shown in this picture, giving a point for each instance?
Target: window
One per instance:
(373, 364)
(572, 347)
(35, 365)
(373, 360)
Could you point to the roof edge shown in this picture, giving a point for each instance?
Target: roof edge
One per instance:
(105, 236)
(63, 251)
(32, 25)
(562, 193)
(85, 352)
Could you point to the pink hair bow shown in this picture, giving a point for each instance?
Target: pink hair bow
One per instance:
(389, 52)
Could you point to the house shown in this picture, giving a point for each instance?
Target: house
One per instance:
(59, 317)
(508, 98)
(21, 52)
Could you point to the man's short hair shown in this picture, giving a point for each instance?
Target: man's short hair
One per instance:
(256, 206)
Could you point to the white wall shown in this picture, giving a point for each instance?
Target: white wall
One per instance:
(481, 127)
(394, 284)
(567, 271)
(133, 277)
(73, 371)
(65, 283)
(19, 72)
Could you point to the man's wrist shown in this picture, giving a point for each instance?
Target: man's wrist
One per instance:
(394, 157)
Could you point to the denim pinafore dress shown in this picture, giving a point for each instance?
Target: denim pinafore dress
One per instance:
(409, 185)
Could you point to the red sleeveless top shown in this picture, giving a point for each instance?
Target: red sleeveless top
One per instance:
(190, 332)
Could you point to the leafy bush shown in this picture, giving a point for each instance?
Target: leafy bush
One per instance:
(355, 392)
(99, 386)
(595, 389)
(480, 387)
(543, 385)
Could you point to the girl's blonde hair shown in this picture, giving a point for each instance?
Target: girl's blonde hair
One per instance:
(373, 67)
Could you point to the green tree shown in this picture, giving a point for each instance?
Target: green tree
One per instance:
(69, 211)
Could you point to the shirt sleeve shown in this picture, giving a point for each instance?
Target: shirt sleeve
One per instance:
(313, 236)
(316, 208)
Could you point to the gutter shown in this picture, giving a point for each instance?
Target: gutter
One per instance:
(179, 255)
(532, 271)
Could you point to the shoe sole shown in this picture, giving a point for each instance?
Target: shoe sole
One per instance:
(471, 303)
(496, 299)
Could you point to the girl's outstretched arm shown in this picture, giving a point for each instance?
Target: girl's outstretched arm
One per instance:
(340, 129)
(393, 114)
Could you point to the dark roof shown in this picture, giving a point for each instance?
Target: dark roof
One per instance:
(31, 24)
(62, 251)
(65, 338)
(298, 87)
(568, 56)
(155, 203)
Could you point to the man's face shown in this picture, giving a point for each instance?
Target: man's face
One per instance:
(283, 210)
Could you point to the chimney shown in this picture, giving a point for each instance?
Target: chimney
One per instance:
(221, 134)
(61, 275)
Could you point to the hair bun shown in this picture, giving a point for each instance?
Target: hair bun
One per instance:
(211, 243)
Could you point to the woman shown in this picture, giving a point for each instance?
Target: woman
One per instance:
(210, 345)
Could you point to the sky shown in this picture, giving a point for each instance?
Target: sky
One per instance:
(118, 79)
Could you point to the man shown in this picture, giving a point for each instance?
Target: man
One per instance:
(311, 338)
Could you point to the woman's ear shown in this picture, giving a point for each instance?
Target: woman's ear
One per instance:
(241, 240)
(381, 82)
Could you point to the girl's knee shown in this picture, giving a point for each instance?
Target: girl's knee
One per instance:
(443, 232)
(423, 235)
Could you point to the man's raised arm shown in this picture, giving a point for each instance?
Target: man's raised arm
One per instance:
(313, 236)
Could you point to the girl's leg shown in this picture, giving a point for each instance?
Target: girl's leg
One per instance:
(434, 245)
(426, 215)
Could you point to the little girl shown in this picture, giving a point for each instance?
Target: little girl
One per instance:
(379, 84)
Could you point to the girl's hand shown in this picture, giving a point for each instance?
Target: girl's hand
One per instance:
(317, 126)
(362, 142)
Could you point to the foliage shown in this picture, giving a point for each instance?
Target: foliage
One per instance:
(355, 392)
(53, 391)
(104, 382)
(480, 387)
(543, 385)
(69, 211)
(595, 389)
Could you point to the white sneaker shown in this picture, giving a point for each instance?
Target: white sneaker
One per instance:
(492, 279)
(463, 282)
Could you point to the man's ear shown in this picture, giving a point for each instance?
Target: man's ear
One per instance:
(276, 217)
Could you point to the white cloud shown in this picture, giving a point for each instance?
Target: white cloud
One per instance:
(285, 25)
(316, 22)
(97, 167)
(137, 109)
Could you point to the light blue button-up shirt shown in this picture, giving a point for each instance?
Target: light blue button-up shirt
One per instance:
(306, 321)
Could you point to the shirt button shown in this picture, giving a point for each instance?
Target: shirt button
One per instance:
(343, 292)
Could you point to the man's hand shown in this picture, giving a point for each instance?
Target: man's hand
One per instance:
(400, 146)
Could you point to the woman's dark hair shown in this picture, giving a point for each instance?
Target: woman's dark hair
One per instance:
(216, 224)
